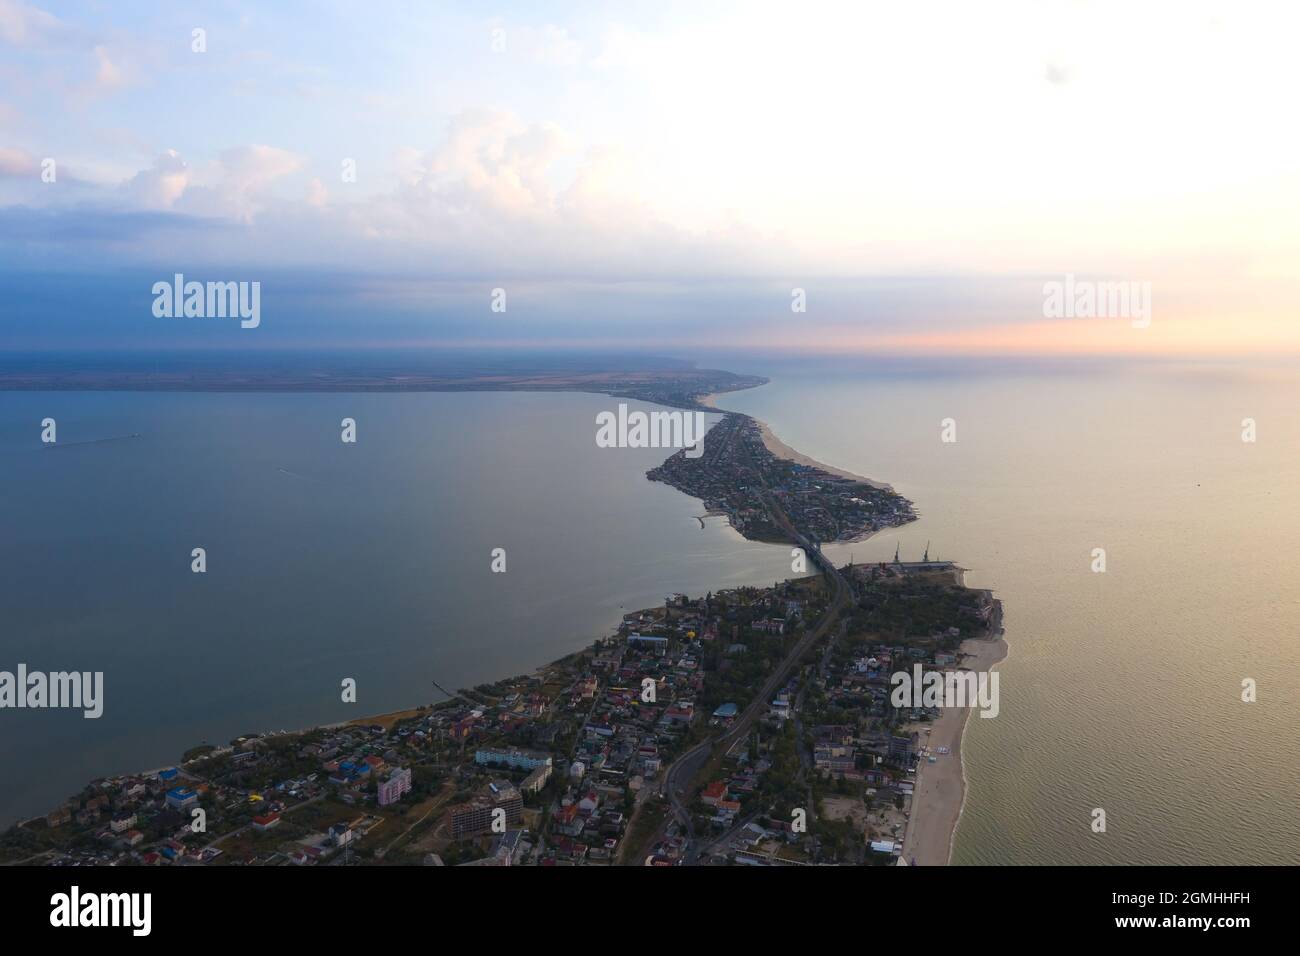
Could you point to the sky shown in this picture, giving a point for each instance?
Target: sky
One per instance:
(652, 176)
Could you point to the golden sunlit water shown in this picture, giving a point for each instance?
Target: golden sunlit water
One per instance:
(1122, 690)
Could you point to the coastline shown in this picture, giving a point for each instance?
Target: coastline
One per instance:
(781, 450)
(939, 793)
(940, 789)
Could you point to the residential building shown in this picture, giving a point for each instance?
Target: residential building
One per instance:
(58, 817)
(181, 798)
(903, 748)
(515, 758)
(392, 789)
(477, 815)
(536, 780)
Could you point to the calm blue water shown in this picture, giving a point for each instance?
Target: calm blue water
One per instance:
(325, 560)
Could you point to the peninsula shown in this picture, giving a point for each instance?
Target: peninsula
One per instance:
(747, 726)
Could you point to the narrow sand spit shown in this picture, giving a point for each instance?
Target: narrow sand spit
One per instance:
(781, 450)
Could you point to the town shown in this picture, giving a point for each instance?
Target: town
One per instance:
(578, 764)
(739, 477)
(748, 726)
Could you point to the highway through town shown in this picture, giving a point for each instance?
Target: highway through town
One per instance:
(679, 778)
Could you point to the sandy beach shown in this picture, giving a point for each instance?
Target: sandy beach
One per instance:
(940, 789)
(781, 450)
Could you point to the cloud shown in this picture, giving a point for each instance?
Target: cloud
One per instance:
(550, 45)
(250, 168)
(109, 76)
(239, 180)
(498, 195)
(547, 45)
(16, 162)
(115, 69)
(232, 187)
(25, 25)
(56, 65)
(517, 197)
(317, 194)
(493, 159)
(159, 186)
(1057, 75)
(626, 50)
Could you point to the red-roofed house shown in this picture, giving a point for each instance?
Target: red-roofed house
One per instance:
(714, 793)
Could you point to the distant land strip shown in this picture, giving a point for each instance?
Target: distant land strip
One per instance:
(675, 385)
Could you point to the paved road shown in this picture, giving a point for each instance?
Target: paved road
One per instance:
(678, 778)
(682, 771)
